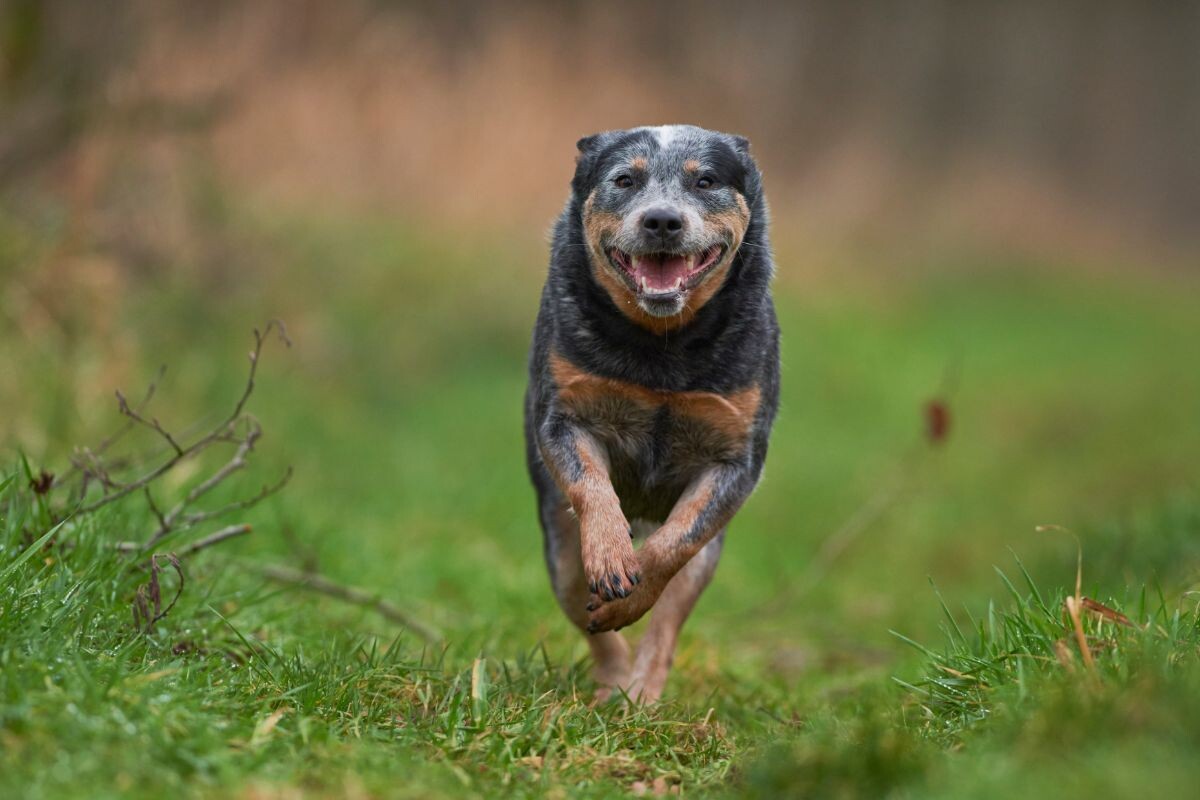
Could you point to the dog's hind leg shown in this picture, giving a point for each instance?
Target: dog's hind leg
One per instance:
(610, 652)
(656, 650)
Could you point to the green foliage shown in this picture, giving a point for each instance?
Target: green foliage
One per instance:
(1007, 707)
(1016, 652)
(212, 697)
(399, 408)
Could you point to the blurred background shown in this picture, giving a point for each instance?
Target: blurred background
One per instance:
(992, 204)
(1066, 125)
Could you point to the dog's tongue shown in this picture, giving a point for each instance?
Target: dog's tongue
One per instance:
(660, 273)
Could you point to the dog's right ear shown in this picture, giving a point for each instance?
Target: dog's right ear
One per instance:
(585, 161)
(588, 143)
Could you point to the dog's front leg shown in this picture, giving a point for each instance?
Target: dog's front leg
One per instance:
(704, 508)
(580, 466)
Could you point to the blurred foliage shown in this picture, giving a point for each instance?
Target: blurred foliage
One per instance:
(1046, 128)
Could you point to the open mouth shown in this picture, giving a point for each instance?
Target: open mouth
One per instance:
(666, 273)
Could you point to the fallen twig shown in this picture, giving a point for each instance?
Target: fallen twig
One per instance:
(322, 585)
(208, 541)
(215, 538)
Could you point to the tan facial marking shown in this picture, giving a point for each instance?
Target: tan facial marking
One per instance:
(639, 163)
(735, 222)
(691, 165)
(598, 225)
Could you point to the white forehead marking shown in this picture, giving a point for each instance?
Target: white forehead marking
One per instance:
(667, 133)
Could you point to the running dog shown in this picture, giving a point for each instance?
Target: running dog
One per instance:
(653, 384)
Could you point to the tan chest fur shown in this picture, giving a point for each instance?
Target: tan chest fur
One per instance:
(675, 433)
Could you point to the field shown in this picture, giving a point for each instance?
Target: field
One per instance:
(857, 641)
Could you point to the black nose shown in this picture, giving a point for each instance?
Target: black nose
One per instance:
(663, 222)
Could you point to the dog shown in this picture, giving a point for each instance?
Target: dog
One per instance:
(653, 384)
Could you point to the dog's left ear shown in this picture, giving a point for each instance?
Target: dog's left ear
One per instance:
(741, 146)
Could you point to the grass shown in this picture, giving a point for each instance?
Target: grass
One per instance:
(398, 406)
(233, 688)
(1007, 706)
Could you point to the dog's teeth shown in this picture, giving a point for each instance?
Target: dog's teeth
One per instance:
(678, 284)
(642, 283)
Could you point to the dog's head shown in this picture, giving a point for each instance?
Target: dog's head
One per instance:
(664, 211)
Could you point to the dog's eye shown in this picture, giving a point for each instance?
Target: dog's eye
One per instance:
(623, 181)
(705, 183)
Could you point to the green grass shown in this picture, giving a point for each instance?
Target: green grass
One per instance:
(1006, 706)
(234, 685)
(398, 405)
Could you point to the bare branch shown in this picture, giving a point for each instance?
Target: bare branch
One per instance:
(86, 462)
(152, 423)
(167, 523)
(154, 507)
(259, 340)
(236, 463)
(238, 505)
(208, 541)
(215, 538)
(221, 433)
(322, 585)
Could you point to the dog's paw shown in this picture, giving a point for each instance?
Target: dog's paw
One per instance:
(611, 566)
(616, 614)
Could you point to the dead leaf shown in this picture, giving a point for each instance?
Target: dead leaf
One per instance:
(42, 483)
(937, 420)
(1110, 614)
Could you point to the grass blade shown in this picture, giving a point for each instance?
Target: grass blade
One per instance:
(28, 552)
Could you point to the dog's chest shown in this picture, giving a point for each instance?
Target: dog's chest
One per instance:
(656, 437)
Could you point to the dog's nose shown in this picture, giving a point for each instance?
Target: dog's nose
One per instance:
(664, 222)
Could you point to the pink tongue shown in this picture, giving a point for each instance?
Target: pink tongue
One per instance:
(661, 274)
